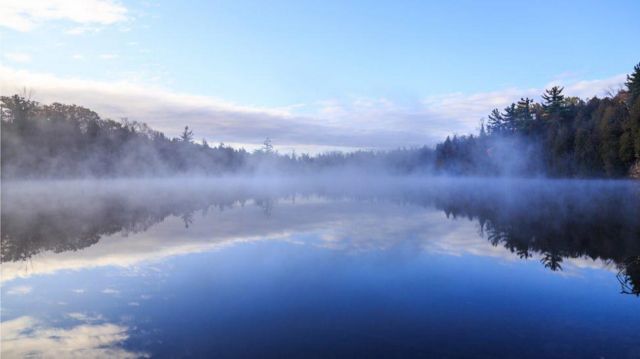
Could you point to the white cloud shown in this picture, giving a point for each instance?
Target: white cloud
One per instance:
(82, 317)
(471, 107)
(28, 337)
(18, 57)
(20, 290)
(23, 15)
(217, 120)
(347, 124)
(110, 291)
(77, 57)
(588, 88)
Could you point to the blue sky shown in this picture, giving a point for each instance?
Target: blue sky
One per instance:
(376, 71)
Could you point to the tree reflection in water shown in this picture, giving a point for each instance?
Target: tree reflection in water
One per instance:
(629, 275)
(554, 220)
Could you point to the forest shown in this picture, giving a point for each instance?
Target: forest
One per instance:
(560, 136)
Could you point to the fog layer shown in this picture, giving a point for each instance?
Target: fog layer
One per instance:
(559, 137)
(553, 220)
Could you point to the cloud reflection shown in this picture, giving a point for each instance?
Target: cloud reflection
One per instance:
(129, 227)
(29, 337)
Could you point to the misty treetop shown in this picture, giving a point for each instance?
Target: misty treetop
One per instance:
(66, 141)
(559, 137)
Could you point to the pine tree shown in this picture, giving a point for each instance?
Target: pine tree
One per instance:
(525, 108)
(633, 85)
(187, 135)
(496, 122)
(510, 118)
(553, 100)
(483, 132)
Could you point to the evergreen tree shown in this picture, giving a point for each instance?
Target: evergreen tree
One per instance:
(510, 118)
(483, 132)
(496, 122)
(553, 100)
(187, 135)
(633, 84)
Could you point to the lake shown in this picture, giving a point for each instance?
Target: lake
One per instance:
(322, 267)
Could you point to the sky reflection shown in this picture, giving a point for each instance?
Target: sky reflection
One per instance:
(404, 271)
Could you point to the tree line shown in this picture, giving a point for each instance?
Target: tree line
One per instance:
(69, 141)
(559, 137)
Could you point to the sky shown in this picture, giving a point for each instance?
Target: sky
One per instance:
(313, 75)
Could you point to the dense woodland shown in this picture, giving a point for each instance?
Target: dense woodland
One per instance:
(559, 137)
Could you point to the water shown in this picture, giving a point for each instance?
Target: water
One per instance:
(265, 268)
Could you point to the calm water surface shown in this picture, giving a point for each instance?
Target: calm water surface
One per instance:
(392, 268)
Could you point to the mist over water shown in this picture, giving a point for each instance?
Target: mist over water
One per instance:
(555, 218)
(286, 264)
(243, 179)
